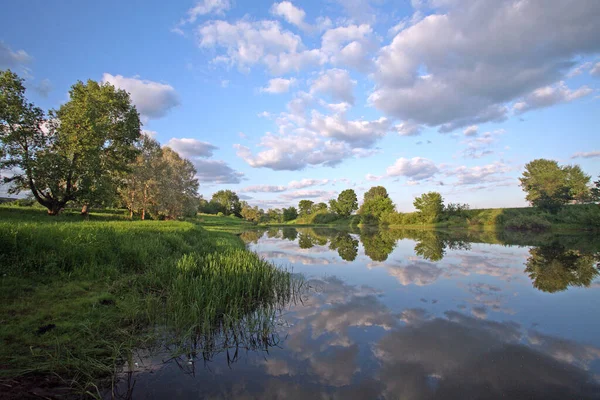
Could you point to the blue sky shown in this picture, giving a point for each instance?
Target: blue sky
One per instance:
(281, 101)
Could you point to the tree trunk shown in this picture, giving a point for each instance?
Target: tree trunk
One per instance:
(143, 213)
(131, 213)
(55, 208)
(84, 210)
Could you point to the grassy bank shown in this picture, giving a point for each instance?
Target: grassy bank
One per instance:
(77, 296)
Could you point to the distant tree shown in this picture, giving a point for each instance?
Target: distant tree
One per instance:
(289, 233)
(378, 244)
(305, 207)
(252, 214)
(578, 182)
(275, 215)
(319, 207)
(290, 214)
(375, 192)
(78, 153)
(376, 202)
(550, 186)
(228, 202)
(595, 191)
(456, 209)
(429, 206)
(345, 204)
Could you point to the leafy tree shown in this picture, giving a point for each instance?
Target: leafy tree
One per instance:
(550, 186)
(376, 202)
(140, 188)
(227, 202)
(275, 215)
(319, 207)
(252, 214)
(375, 192)
(553, 268)
(305, 207)
(177, 188)
(78, 153)
(290, 214)
(595, 191)
(429, 206)
(456, 210)
(345, 204)
(578, 182)
(346, 246)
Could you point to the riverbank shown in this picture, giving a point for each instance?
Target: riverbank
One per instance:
(576, 217)
(77, 296)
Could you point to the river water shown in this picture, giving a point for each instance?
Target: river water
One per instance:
(409, 315)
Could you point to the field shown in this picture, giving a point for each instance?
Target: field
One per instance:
(77, 296)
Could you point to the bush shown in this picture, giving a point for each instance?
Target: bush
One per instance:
(527, 223)
(220, 214)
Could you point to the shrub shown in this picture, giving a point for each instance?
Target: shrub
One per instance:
(220, 214)
(528, 223)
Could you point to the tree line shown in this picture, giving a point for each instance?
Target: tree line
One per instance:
(90, 152)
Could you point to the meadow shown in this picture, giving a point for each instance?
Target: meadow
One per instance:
(77, 296)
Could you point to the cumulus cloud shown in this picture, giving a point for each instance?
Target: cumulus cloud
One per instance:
(190, 148)
(478, 175)
(152, 99)
(308, 194)
(247, 43)
(471, 130)
(549, 96)
(499, 54)
(205, 7)
(416, 168)
(420, 273)
(586, 154)
(335, 83)
(359, 133)
(279, 85)
(12, 59)
(407, 128)
(207, 171)
(301, 184)
(350, 45)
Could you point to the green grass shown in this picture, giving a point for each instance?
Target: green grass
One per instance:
(76, 296)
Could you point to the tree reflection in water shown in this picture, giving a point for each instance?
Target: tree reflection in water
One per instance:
(553, 268)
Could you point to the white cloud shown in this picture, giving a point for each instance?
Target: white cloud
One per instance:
(586, 154)
(279, 85)
(465, 61)
(12, 59)
(358, 133)
(190, 148)
(416, 168)
(152, 99)
(548, 96)
(471, 130)
(205, 7)
(350, 45)
(408, 128)
(290, 13)
(478, 147)
(207, 171)
(595, 71)
(336, 83)
(247, 43)
(579, 69)
(309, 194)
(280, 188)
(478, 175)
(150, 133)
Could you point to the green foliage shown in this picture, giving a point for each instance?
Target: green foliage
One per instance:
(290, 214)
(595, 191)
(376, 203)
(375, 192)
(345, 204)
(553, 268)
(319, 207)
(550, 186)
(78, 153)
(430, 207)
(252, 214)
(305, 207)
(227, 202)
(528, 223)
(378, 244)
(346, 246)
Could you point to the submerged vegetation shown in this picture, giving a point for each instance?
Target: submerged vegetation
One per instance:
(77, 296)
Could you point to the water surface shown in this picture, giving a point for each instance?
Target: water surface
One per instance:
(410, 315)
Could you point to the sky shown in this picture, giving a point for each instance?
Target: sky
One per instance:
(283, 101)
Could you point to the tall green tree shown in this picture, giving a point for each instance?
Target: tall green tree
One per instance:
(290, 214)
(345, 204)
(305, 207)
(319, 207)
(78, 153)
(376, 202)
(429, 206)
(228, 202)
(595, 191)
(549, 186)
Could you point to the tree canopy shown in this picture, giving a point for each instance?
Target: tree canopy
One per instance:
(227, 202)
(429, 206)
(78, 153)
(345, 204)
